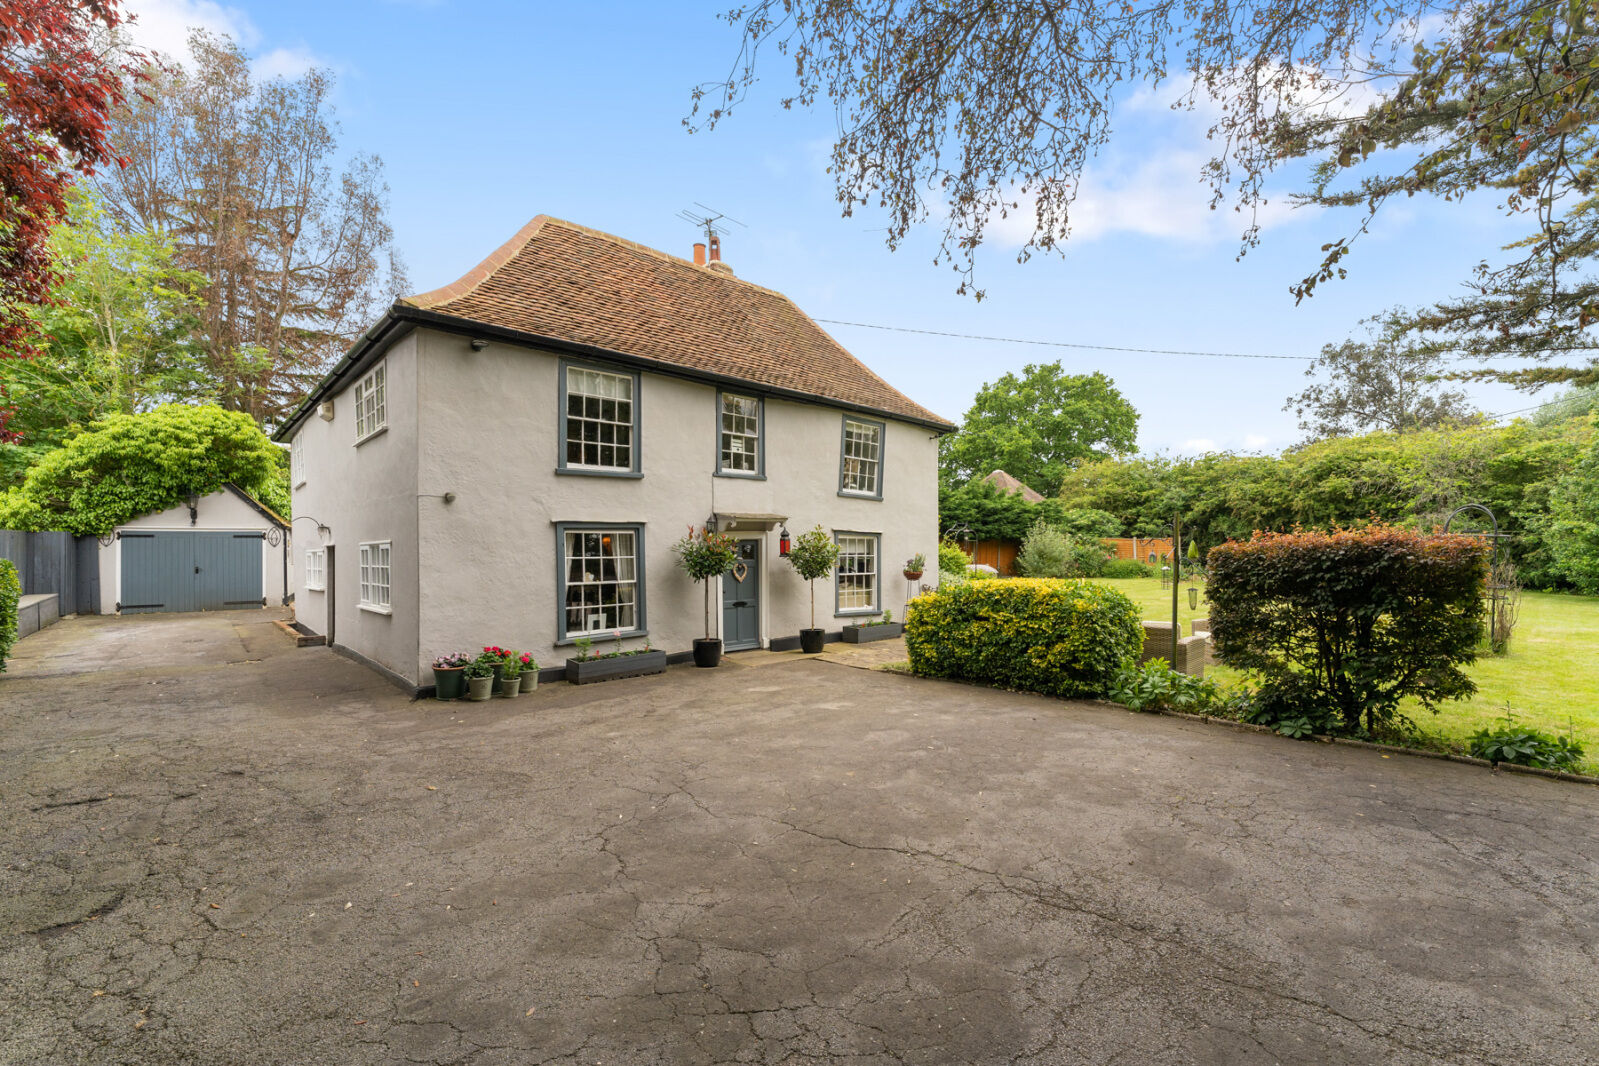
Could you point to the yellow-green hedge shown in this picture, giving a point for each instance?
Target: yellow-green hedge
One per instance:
(1061, 638)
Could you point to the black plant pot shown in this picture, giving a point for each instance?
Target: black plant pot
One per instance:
(707, 652)
(811, 641)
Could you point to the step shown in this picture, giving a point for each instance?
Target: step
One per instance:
(37, 611)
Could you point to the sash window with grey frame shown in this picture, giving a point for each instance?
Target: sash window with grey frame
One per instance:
(601, 572)
(599, 419)
(857, 572)
(861, 470)
(741, 434)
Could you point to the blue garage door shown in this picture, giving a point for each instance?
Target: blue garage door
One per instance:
(190, 571)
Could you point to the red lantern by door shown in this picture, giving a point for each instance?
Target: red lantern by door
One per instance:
(782, 542)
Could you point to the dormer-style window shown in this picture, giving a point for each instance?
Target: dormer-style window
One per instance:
(861, 461)
(600, 421)
(739, 451)
(371, 416)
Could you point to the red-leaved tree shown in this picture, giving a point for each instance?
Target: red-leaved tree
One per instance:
(60, 78)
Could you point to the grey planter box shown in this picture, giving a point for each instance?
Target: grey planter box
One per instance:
(879, 631)
(586, 673)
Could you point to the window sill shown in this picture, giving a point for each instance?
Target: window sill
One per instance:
(375, 433)
(857, 612)
(740, 476)
(605, 636)
(316, 588)
(580, 471)
(375, 609)
(878, 496)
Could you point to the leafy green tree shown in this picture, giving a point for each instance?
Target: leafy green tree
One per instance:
(813, 555)
(128, 465)
(1570, 528)
(1386, 382)
(117, 331)
(1036, 425)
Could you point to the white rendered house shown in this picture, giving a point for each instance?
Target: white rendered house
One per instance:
(508, 460)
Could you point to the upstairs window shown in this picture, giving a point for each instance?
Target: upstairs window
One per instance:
(861, 465)
(370, 413)
(297, 460)
(601, 421)
(739, 439)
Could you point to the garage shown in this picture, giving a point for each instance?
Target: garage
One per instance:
(221, 552)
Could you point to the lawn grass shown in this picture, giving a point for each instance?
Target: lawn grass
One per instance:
(1550, 678)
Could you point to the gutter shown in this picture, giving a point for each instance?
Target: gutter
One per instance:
(401, 318)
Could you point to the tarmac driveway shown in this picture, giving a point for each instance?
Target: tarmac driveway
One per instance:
(229, 851)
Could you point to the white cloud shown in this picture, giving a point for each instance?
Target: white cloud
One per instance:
(1199, 444)
(163, 25)
(1254, 441)
(286, 63)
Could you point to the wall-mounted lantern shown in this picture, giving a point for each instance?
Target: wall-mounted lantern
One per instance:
(192, 498)
(710, 523)
(783, 543)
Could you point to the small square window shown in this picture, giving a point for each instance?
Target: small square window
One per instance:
(316, 570)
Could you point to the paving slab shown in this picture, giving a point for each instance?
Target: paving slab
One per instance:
(228, 850)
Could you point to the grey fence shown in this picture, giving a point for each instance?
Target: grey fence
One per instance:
(56, 562)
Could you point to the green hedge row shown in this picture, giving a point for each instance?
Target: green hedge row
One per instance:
(1061, 638)
(10, 593)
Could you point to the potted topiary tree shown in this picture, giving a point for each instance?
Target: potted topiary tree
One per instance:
(813, 555)
(705, 554)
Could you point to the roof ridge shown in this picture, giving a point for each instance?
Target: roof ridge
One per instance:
(472, 279)
(486, 269)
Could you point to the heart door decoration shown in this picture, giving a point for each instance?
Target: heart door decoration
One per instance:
(739, 572)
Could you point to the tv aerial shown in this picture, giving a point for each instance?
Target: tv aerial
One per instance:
(710, 220)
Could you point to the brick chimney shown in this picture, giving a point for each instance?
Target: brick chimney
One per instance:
(699, 254)
(716, 248)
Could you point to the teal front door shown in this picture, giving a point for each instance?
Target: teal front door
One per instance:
(741, 599)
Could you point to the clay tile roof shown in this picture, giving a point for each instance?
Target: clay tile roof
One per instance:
(1010, 486)
(574, 284)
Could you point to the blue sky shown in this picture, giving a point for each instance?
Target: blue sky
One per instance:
(486, 114)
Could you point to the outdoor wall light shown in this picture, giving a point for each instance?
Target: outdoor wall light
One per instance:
(783, 542)
(192, 498)
(478, 344)
(710, 523)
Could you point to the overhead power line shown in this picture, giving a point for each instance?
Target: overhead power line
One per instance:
(1064, 344)
(1145, 351)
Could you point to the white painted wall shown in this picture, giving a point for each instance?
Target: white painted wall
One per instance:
(363, 492)
(221, 511)
(490, 428)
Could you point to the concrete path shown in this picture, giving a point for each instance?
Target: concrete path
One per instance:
(229, 851)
